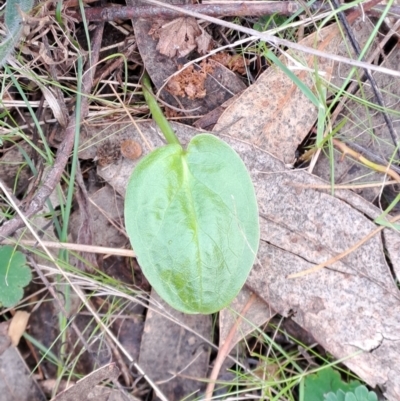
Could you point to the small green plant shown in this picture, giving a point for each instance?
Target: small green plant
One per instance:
(14, 275)
(192, 218)
(361, 393)
(13, 20)
(328, 380)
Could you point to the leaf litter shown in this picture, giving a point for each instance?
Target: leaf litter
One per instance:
(179, 37)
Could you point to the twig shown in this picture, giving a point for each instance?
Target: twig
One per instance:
(75, 247)
(238, 9)
(224, 350)
(214, 10)
(377, 167)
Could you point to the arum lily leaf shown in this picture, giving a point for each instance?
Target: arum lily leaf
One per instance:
(192, 219)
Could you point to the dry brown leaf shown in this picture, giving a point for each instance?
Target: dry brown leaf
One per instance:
(171, 355)
(180, 36)
(246, 312)
(203, 41)
(57, 109)
(82, 389)
(16, 381)
(17, 326)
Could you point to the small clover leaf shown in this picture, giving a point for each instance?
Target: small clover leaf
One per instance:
(361, 393)
(14, 275)
(325, 381)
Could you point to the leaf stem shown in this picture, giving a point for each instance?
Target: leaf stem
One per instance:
(156, 112)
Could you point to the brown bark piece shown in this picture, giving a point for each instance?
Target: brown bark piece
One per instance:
(256, 315)
(16, 382)
(82, 389)
(167, 349)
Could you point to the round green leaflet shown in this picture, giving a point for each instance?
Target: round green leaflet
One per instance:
(192, 219)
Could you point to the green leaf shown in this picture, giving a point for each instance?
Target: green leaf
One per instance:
(192, 219)
(13, 20)
(339, 396)
(360, 393)
(14, 275)
(317, 385)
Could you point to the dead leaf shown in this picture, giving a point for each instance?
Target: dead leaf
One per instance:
(181, 36)
(17, 326)
(171, 355)
(353, 307)
(105, 210)
(81, 390)
(255, 316)
(16, 381)
(55, 106)
(203, 41)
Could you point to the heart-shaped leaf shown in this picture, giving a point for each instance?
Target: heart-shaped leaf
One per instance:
(14, 275)
(192, 219)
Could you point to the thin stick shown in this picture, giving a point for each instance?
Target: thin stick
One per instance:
(75, 247)
(377, 167)
(214, 9)
(225, 349)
